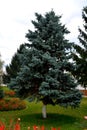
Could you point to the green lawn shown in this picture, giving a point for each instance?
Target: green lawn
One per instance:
(67, 119)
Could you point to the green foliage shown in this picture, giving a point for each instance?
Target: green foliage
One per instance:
(80, 54)
(45, 66)
(1, 94)
(1, 70)
(1, 63)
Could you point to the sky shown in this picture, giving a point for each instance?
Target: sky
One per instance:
(16, 16)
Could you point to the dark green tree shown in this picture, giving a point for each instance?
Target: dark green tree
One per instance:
(44, 73)
(13, 68)
(80, 54)
(1, 70)
(1, 63)
(1, 79)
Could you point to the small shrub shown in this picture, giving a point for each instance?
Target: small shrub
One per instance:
(9, 93)
(7, 104)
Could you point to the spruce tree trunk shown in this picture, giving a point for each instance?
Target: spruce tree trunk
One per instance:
(44, 114)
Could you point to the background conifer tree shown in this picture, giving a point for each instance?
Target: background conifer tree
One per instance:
(1, 70)
(80, 55)
(13, 68)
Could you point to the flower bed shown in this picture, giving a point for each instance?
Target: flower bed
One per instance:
(16, 126)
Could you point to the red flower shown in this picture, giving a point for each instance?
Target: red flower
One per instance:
(53, 128)
(2, 126)
(59, 128)
(42, 127)
(17, 126)
(35, 127)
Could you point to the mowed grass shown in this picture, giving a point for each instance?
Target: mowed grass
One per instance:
(65, 118)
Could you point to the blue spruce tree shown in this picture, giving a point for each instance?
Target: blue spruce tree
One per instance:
(45, 67)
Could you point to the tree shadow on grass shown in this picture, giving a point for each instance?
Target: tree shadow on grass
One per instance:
(51, 120)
